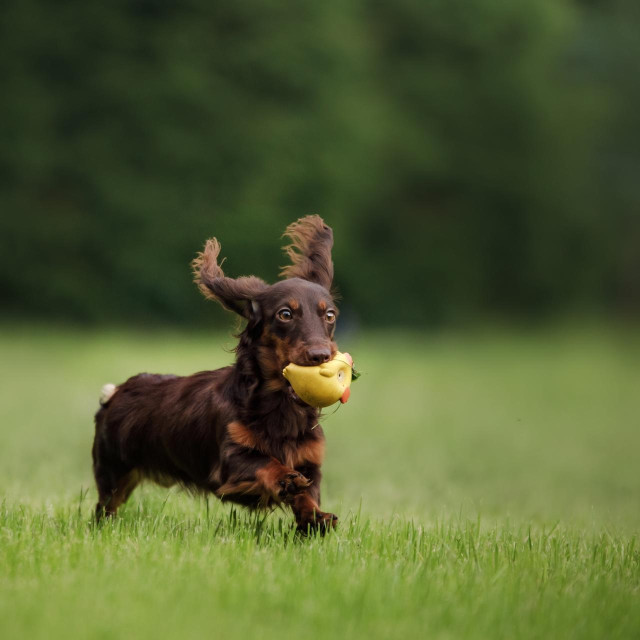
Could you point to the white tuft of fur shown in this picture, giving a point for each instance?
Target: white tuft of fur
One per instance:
(107, 391)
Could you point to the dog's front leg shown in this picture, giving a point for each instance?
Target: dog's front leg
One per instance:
(249, 473)
(306, 504)
(246, 472)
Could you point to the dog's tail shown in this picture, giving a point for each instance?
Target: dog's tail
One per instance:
(107, 392)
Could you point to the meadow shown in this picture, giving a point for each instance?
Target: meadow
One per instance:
(487, 484)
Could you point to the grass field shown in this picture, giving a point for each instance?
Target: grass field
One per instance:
(488, 486)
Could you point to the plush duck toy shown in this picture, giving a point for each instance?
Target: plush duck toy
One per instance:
(324, 384)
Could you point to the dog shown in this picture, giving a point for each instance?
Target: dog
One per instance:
(239, 432)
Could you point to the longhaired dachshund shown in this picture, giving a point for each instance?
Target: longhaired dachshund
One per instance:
(239, 432)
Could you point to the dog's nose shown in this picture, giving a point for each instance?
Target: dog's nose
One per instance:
(318, 356)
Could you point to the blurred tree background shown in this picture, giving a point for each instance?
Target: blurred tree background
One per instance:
(475, 158)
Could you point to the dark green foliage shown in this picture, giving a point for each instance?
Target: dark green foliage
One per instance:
(472, 157)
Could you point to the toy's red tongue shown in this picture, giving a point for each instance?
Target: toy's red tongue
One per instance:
(345, 396)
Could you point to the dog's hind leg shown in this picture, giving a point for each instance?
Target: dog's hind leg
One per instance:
(113, 490)
(115, 479)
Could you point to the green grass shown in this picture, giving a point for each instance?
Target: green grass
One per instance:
(488, 486)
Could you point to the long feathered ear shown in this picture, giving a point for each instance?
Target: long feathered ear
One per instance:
(235, 294)
(309, 251)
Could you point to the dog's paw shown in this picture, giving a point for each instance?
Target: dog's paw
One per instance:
(292, 483)
(318, 521)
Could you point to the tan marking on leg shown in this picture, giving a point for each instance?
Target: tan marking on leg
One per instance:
(270, 475)
(238, 488)
(308, 514)
(266, 484)
(304, 507)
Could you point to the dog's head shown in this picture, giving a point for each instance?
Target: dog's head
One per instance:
(292, 320)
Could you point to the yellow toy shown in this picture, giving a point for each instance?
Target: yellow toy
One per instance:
(324, 384)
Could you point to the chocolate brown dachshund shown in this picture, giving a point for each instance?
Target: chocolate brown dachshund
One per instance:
(239, 432)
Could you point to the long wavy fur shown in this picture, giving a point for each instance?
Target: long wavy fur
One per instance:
(309, 251)
(232, 293)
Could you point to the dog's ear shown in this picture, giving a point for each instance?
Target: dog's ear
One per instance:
(235, 294)
(309, 251)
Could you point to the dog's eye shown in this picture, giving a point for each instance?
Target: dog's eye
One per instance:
(331, 317)
(284, 314)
